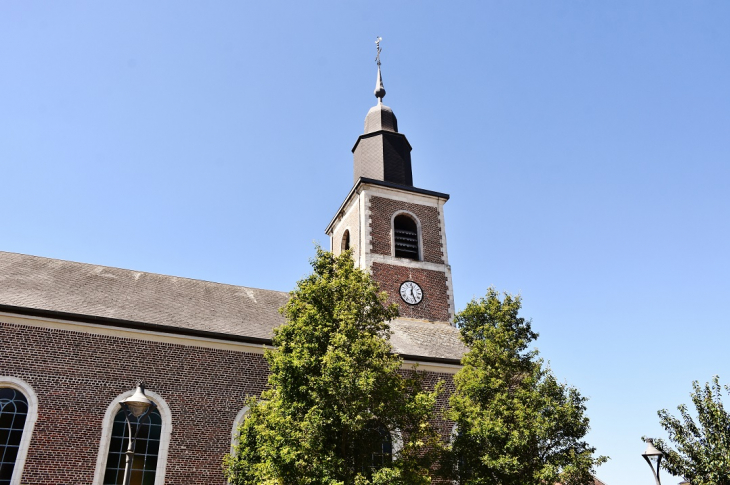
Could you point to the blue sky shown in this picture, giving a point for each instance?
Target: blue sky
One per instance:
(585, 146)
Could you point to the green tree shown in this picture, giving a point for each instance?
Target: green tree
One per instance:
(703, 446)
(515, 423)
(335, 391)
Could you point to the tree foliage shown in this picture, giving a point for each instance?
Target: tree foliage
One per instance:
(334, 388)
(703, 446)
(515, 423)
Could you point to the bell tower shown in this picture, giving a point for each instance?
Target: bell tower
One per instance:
(396, 231)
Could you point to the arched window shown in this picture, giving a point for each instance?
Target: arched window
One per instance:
(388, 445)
(18, 413)
(13, 412)
(375, 447)
(383, 456)
(146, 450)
(405, 237)
(150, 451)
(345, 240)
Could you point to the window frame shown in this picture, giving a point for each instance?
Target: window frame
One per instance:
(418, 236)
(396, 443)
(106, 434)
(23, 387)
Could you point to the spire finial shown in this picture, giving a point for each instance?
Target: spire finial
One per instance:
(379, 89)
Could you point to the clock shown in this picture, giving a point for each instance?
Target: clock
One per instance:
(411, 292)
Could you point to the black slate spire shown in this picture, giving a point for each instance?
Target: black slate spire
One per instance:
(381, 153)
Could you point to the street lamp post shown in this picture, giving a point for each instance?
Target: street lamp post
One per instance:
(652, 455)
(136, 407)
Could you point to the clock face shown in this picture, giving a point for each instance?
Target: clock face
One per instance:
(411, 293)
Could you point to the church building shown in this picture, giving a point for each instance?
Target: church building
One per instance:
(77, 337)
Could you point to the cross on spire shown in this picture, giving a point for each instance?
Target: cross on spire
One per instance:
(379, 89)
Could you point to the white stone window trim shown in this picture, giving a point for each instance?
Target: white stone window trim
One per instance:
(452, 438)
(30, 420)
(234, 430)
(106, 434)
(236, 423)
(418, 228)
(396, 443)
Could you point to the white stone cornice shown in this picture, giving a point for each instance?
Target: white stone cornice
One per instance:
(404, 195)
(408, 263)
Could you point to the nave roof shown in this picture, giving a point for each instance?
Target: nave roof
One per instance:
(91, 293)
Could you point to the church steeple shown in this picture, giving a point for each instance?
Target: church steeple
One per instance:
(381, 153)
(393, 229)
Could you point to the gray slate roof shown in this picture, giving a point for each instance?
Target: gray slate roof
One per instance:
(171, 303)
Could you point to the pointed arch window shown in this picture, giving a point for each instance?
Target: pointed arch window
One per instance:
(345, 241)
(405, 237)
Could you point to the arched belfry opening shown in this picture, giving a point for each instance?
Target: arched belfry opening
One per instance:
(345, 245)
(405, 234)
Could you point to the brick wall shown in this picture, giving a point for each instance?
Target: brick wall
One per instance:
(77, 375)
(381, 213)
(435, 303)
(430, 380)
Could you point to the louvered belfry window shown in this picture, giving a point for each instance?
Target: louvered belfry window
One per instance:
(406, 237)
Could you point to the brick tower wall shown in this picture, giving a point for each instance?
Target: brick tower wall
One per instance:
(435, 303)
(381, 213)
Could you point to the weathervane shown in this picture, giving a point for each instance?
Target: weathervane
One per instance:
(377, 44)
